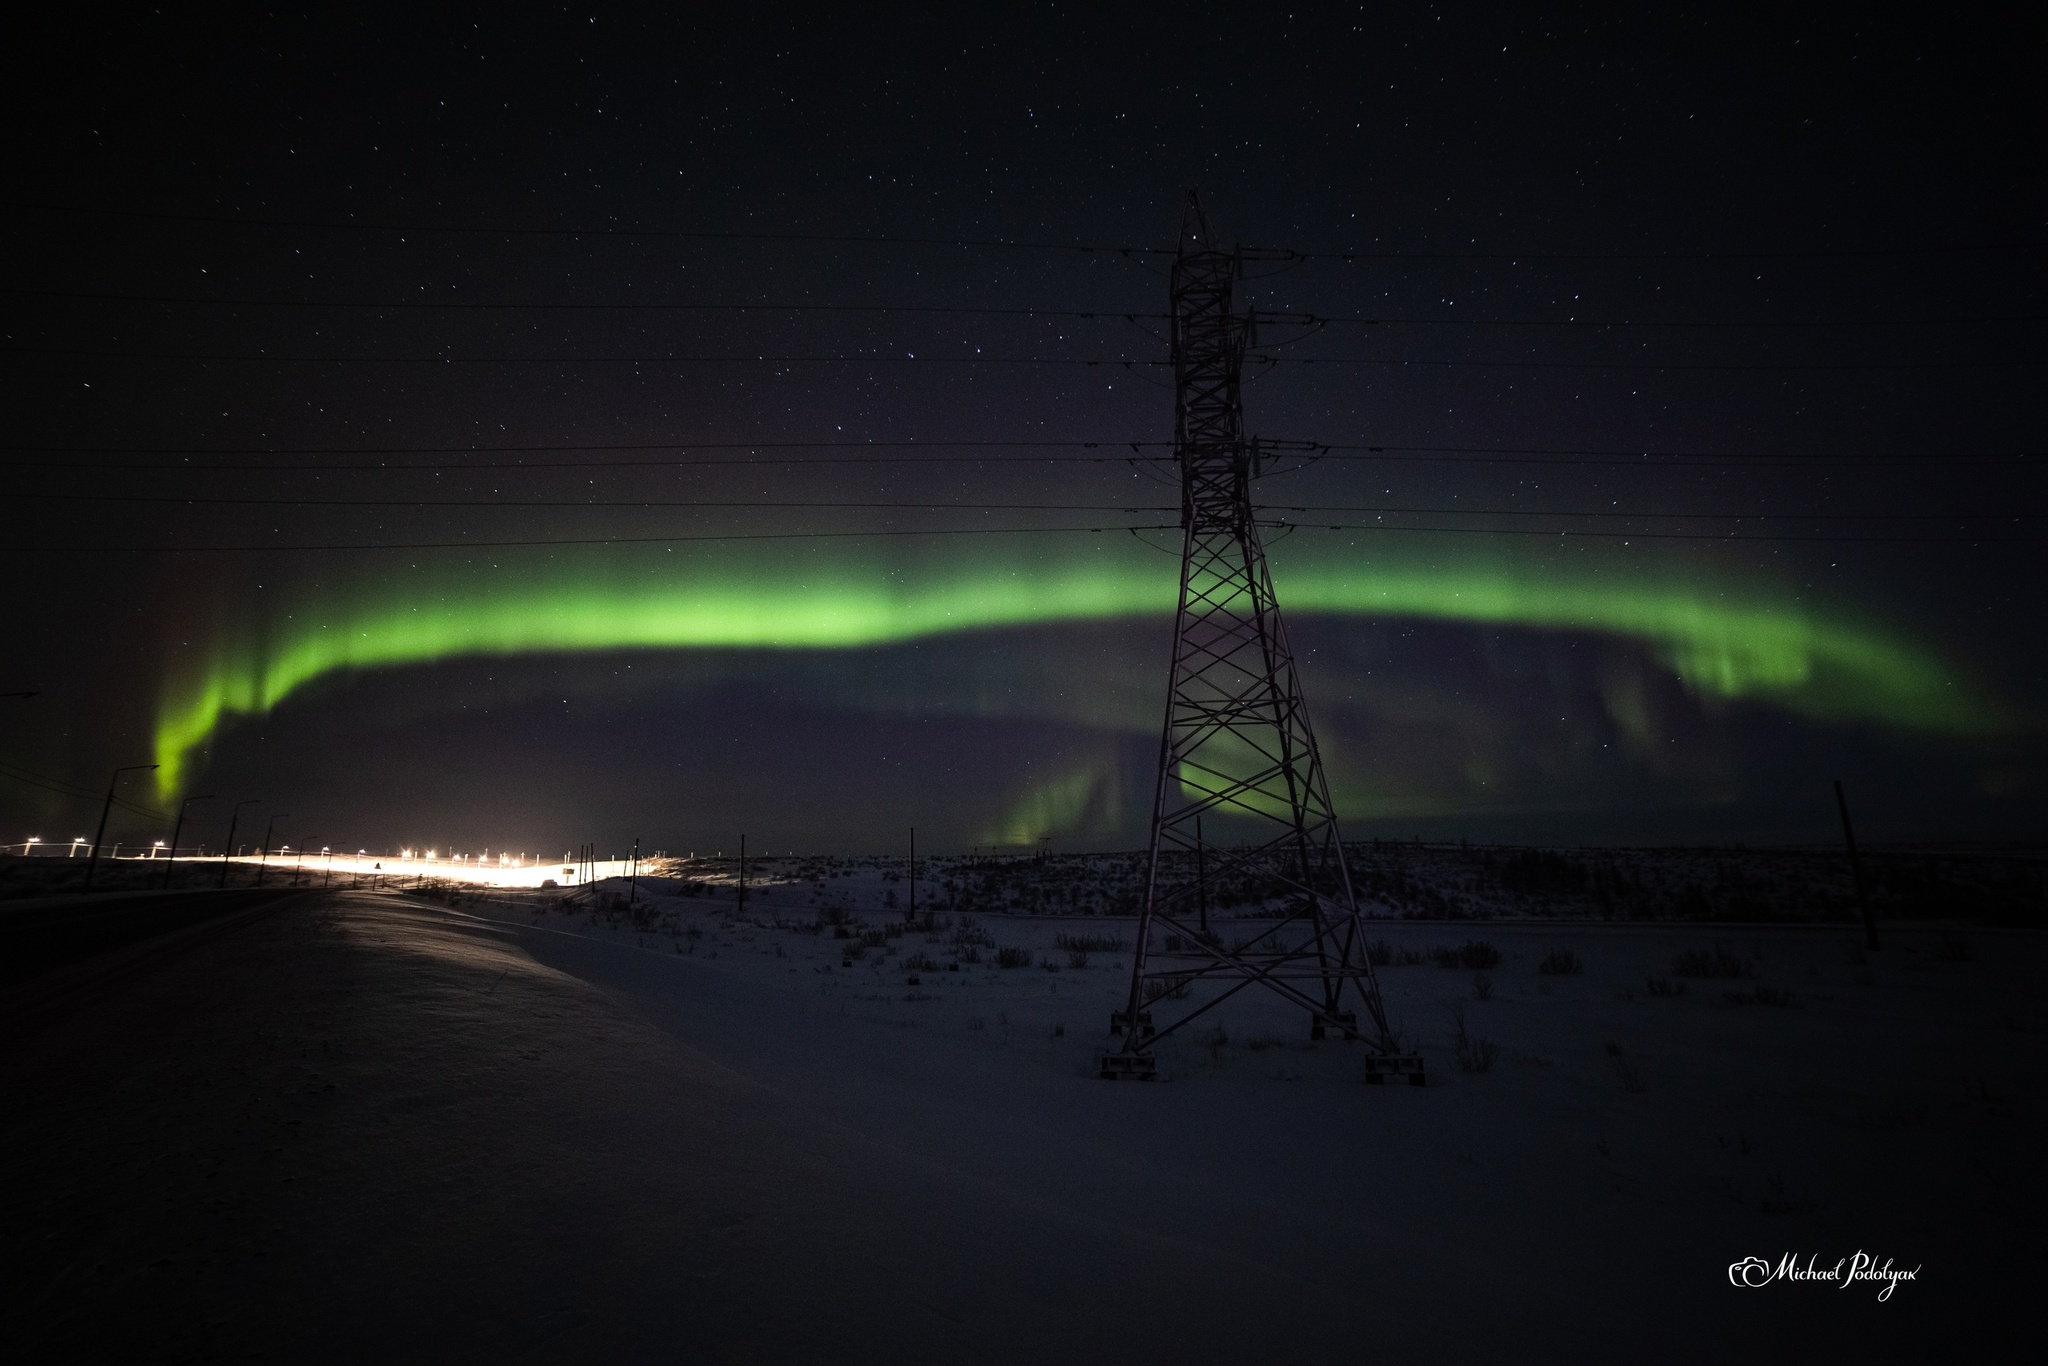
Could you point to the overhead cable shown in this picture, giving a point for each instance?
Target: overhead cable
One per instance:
(1282, 254)
(1109, 362)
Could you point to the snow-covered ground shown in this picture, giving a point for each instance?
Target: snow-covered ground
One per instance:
(550, 1125)
(1676, 1092)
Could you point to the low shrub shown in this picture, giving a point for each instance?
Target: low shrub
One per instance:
(1708, 963)
(1560, 963)
(1664, 986)
(1472, 1053)
(1091, 943)
(1013, 958)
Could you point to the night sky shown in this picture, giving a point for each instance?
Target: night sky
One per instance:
(743, 403)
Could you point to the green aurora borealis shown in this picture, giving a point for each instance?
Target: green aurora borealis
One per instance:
(1725, 633)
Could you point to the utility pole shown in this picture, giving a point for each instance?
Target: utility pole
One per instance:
(1856, 868)
(1236, 738)
(743, 874)
(177, 830)
(263, 860)
(633, 881)
(92, 861)
(229, 852)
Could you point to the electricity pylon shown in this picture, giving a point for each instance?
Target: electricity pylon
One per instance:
(1236, 742)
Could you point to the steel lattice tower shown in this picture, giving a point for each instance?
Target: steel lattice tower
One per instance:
(1236, 741)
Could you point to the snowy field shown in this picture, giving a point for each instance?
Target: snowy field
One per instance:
(519, 1125)
(1661, 1095)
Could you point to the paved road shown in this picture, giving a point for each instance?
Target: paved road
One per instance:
(47, 933)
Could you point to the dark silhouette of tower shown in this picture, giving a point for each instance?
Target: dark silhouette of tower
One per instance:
(1236, 743)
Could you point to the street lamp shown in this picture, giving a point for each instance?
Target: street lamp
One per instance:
(177, 830)
(28, 847)
(74, 847)
(229, 852)
(93, 860)
(263, 862)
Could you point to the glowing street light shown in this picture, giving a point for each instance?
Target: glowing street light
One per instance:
(28, 846)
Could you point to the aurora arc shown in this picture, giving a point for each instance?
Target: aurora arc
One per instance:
(1725, 636)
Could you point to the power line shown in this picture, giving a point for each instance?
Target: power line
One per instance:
(1308, 319)
(1534, 455)
(1609, 513)
(1645, 365)
(576, 503)
(1602, 323)
(1110, 362)
(598, 540)
(1938, 249)
(439, 305)
(989, 531)
(1283, 254)
(1667, 535)
(260, 358)
(511, 505)
(64, 789)
(501, 230)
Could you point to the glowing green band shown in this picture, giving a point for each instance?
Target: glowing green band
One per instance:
(1725, 637)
